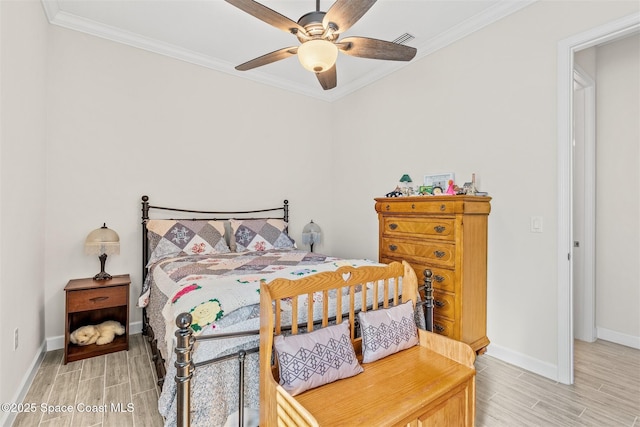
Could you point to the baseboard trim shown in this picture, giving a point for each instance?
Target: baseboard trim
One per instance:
(7, 418)
(618, 338)
(56, 343)
(523, 361)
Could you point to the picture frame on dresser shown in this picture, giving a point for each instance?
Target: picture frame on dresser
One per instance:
(439, 180)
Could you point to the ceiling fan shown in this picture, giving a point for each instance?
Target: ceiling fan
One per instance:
(318, 34)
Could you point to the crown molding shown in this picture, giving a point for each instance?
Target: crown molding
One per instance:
(57, 16)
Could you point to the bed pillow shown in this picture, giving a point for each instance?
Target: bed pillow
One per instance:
(386, 331)
(312, 359)
(169, 237)
(260, 234)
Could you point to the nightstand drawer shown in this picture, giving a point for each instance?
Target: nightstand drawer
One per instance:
(93, 299)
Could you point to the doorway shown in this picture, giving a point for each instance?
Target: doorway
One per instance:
(565, 252)
(584, 203)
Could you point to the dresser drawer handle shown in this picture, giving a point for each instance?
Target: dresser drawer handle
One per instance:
(393, 226)
(439, 303)
(439, 228)
(438, 278)
(393, 247)
(443, 207)
(388, 207)
(439, 254)
(98, 299)
(413, 206)
(439, 329)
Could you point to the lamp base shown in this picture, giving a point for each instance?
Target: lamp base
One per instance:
(102, 275)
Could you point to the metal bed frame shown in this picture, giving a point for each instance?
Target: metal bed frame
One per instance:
(185, 366)
(280, 212)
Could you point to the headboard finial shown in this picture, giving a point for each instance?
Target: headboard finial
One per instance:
(145, 208)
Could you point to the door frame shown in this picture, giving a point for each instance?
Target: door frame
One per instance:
(566, 49)
(587, 322)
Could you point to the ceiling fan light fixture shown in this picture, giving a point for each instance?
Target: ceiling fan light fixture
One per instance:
(317, 55)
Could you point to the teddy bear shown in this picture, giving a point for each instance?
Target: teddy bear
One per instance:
(100, 334)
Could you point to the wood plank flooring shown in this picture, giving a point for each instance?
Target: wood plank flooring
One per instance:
(606, 392)
(117, 389)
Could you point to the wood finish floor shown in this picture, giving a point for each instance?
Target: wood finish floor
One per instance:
(125, 379)
(606, 392)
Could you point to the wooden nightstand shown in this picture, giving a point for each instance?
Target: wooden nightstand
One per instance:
(89, 302)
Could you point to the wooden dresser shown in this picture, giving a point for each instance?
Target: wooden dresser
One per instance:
(448, 235)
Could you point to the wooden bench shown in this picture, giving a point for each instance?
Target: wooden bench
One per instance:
(432, 383)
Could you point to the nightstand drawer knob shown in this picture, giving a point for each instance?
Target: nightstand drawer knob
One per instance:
(443, 207)
(439, 228)
(98, 299)
(439, 303)
(439, 254)
(393, 226)
(438, 278)
(393, 247)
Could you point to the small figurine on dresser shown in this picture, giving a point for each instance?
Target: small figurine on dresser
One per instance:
(395, 193)
(451, 188)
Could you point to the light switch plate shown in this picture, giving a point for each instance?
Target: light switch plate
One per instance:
(536, 224)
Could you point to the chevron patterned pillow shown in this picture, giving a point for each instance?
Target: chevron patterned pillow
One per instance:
(387, 331)
(312, 359)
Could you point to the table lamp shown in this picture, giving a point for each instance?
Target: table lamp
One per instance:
(102, 241)
(311, 234)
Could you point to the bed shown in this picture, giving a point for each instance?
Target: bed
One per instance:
(210, 264)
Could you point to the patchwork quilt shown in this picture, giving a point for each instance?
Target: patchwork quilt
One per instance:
(222, 293)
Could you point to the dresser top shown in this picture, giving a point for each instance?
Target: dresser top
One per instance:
(434, 204)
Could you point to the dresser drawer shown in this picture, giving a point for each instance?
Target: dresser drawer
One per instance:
(93, 299)
(433, 228)
(444, 327)
(441, 207)
(441, 254)
(444, 305)
(441, 278)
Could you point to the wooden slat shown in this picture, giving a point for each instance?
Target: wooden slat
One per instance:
(278, 326)
(310, 304)
(294, 314)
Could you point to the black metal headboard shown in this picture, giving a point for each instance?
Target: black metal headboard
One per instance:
(220, 215)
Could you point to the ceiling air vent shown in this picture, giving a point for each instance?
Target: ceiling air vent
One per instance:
(406, 37)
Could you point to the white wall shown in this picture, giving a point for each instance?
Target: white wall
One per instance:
(123, 122)
(618, 191)
(22, 174)
(486, 104)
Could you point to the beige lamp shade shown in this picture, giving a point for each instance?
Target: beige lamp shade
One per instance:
(102, 240)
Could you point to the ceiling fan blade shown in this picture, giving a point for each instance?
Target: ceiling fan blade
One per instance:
(328, 79)
(268, 58)
(363, 47)
(345, 13)
(267, 15)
